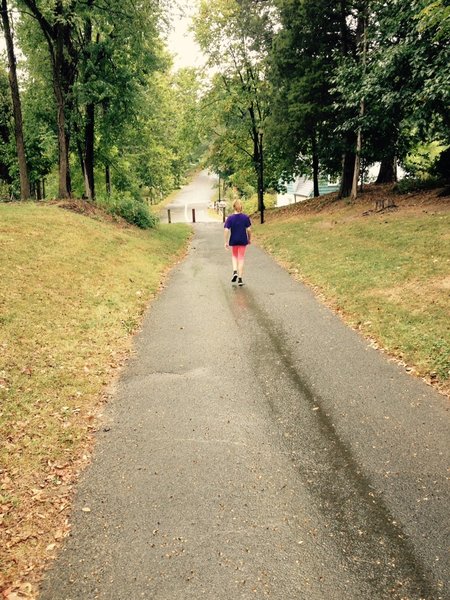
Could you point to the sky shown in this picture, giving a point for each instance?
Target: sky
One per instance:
(181, 41)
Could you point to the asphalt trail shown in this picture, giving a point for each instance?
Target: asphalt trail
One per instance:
(257, 447)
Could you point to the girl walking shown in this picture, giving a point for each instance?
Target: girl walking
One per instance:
(237, 233)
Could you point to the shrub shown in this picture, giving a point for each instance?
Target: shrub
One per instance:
(416, 184)
(131, 208)
(442, 165)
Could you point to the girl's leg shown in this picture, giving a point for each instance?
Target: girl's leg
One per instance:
(240, 260)
(234, 257)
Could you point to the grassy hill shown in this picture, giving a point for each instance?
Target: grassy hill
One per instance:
(73, 290)
(386, 272)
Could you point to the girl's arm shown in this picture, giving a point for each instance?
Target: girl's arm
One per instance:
(226, 235)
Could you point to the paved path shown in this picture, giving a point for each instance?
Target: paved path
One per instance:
(259, 448)
(197, 195)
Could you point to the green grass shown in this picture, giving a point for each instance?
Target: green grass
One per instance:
(389, 275)
(73, 290)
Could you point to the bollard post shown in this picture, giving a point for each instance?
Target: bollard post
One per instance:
(223, 214)
(168, 216)
(193, 215)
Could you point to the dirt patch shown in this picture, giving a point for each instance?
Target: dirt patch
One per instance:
(366, 204)
(425, 292)
(88, 209)
(444, 284)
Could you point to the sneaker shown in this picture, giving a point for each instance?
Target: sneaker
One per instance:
(234, 278)
(240, 282)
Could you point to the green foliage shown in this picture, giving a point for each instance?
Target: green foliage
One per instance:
(285, 93)
(235, 37)
(302, 64)
(416, 184)
(120, 97)
(250, 203)
(421, 161)
(134, 210)
(321, 71)
(436, 16)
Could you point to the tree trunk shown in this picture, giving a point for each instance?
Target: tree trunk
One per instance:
(108, 179)
(17, 109)
(348, 169)
(348, 158)
(89, 151)
(315, 161)
(38, 190)
(388, 170)
(62, 55)
(362, 45)
(79, 149)
(89, 129)
(258, 159)
(63, 150)
(357, 167)
(62, 83)
(260, 167)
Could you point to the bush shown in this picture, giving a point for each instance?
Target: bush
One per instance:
(251, 204)
(131, 208)
(442, 166)
(416, 184)
(421, 161)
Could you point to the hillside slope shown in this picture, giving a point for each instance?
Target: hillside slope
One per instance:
(387, 272)
(73, 290)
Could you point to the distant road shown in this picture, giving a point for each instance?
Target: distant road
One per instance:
(196, 195)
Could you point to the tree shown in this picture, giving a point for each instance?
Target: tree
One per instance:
(310, 125)
(185, 87)
(404, 81)
(56, 22)
(302, 64)
(17, 109)
(235, 36)
(5, 129)
(117, 51)
(361, 47)
(99, 54)
(430, 50)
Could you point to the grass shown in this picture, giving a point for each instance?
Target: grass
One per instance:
(387, 273)
(73, 290)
